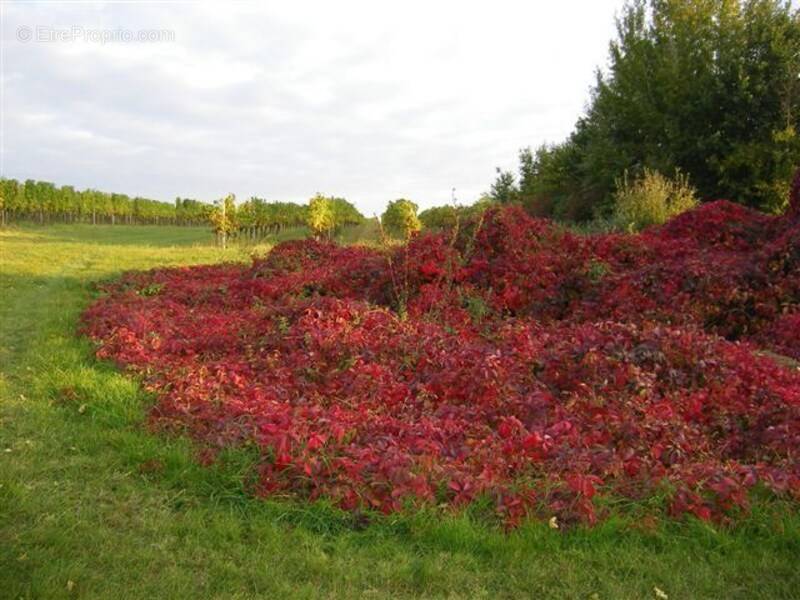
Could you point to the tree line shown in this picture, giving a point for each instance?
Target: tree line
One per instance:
(706, 88)
(256, 218)
(44, 202)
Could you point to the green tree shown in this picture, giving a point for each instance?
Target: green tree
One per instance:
(320, 217)
(10, 194)
(223, 219)
(709, 87)
(447, 216)
(504, 189)
(344, 213)
(439, 217)
(400, 218)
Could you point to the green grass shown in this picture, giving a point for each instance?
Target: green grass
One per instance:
(93, 505)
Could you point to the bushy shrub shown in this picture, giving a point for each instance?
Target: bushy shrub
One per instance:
(651, 199)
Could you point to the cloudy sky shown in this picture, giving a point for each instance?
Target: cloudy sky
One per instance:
(371, 101)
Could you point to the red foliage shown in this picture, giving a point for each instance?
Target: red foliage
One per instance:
(532, 366)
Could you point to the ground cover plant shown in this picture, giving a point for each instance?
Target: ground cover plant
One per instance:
(507, 362)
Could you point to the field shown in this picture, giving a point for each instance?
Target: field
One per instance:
(93, 504)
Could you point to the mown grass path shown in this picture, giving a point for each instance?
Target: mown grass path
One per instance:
(92, 505)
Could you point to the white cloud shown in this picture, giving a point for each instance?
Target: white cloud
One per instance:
(361, 99)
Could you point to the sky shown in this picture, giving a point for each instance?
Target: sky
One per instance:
(370, 101)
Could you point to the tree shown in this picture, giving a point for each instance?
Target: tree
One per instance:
(9, 197)
(504, 189)
(439, 217)
(320, 217)
(709, 87)
(448, 216)
(223, 219)
(344, 213)
(400, 218)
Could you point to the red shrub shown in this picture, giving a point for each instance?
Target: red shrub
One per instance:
(529, 365)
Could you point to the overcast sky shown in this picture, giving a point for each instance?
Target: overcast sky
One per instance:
(371, 101)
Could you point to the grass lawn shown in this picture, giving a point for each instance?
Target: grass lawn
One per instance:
(92, 505)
